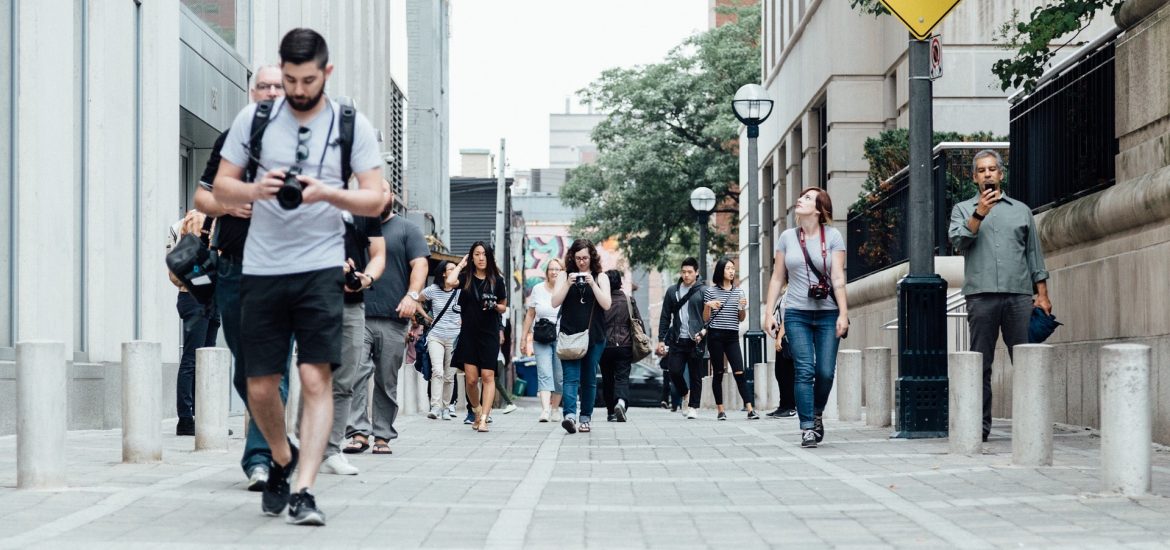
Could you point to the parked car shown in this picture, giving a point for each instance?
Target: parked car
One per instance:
(645, 384)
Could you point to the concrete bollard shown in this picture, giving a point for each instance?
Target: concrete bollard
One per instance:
(1126, 419)
(876, 362)
(965, 397)
(41, 408)
(1032, 405)
(849, 385)
(212, 398)
(141, 402)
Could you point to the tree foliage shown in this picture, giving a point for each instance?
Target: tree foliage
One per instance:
(668, 129)
(1032, 39)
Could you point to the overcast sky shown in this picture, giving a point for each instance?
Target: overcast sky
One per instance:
(513, 62)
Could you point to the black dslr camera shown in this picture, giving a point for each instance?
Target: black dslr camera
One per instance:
(580, 282)
(289, 195)
(819, 291)
(352, 281)
(489, 301)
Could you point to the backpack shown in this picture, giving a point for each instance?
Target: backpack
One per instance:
(263, 116)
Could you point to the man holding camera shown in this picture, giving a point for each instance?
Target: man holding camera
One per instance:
(679, 325)
(1003, 272)
(292, 276)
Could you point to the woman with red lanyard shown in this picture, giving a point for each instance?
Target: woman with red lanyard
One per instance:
(811, 259)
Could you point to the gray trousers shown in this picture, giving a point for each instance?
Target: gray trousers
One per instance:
(384, 348)
(988, 315)
(345, 378)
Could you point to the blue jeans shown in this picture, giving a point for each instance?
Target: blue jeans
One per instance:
(549, 372)
(580, 380)
(200, 327)
(813, 336)
(227, 299)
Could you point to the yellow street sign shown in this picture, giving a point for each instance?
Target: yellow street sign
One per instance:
(920, 16)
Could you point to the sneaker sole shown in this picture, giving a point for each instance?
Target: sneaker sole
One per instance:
(257, 486)
(312, 518)
(808, 445)
(569, 426)
(620, 414)
(432, 416)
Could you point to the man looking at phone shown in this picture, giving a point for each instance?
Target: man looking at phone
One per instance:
(1003, 273)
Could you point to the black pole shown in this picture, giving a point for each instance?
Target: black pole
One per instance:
(704, 220)
(754, 339)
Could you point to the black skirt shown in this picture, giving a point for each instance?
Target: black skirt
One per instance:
(480, 350)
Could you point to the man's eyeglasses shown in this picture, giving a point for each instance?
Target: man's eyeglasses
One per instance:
(263, 86)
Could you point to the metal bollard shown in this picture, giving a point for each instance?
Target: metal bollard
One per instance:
(1126, 419)
(965, 391)
(212, 398)
(1032, 405)
(41, 408)
(876, 362)
(849, 385)
(141, 402)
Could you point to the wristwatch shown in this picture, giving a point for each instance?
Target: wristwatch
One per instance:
(413, 295)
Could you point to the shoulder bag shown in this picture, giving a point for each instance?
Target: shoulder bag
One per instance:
(701, 346)
(422, 360)
(574, 346)
(640, 342)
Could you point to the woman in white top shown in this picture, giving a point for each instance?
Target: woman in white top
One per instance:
(442, 298)
(548, 366)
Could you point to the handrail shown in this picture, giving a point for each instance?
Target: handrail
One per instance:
(953, 145)
(1073, 58)
(955, 300)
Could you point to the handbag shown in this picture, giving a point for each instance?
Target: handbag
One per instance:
(574, 346)
(194, 264)
(640, 342)
(422, 361)
(544, 331)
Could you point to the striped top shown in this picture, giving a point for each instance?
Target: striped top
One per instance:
(727, 317)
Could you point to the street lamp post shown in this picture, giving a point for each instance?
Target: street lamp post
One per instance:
(703, 202)
(752, 107)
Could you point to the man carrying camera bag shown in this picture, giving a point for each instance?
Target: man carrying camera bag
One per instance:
(292, 277)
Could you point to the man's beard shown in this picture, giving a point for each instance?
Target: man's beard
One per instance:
(309, 104)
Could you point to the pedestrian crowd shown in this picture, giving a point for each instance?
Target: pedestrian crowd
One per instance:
(314, 263)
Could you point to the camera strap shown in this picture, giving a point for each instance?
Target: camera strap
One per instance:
(454, 293)
(808, 263)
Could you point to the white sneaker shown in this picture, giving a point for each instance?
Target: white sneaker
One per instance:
(692, 413)
(451, 409)
(338, 465)
(544, 415)
(557, 416)
(434, 414)
(446, 414)
(511, 407)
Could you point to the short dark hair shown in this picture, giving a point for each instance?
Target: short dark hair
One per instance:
(720, 266)
(615, 279)
(692, 262)
(302, 45)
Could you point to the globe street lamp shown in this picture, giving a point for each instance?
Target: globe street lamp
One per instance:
(703, 201)
(752, 107)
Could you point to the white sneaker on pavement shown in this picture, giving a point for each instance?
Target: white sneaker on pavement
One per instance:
(544, 415)
(434, 414)
(338, 465)
(511, 407)
(692, 413)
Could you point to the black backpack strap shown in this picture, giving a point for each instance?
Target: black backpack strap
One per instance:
(260, 119)
(346, 127)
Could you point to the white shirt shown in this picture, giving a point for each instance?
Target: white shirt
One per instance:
(541, 300)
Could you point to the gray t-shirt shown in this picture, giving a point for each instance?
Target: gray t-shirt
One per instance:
(404, 242)
(309, 237)
(800, 276)
(684, 313)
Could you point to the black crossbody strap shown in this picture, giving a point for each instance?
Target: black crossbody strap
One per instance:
(686, 297)
(721, 308)
(445, 306)
(808, 261)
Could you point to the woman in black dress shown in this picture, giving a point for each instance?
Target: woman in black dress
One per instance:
(482, 299)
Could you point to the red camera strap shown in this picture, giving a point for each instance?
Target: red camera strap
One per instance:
(821, 278)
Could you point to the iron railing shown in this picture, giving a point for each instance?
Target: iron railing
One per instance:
(1063, 140)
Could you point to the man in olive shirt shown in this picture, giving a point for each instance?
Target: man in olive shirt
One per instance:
(1003, 272)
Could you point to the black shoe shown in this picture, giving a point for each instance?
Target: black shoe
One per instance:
(619, 411)
(302, 509)
(664, 405)
(674, 408)
(787, 413)
(610, 418)
(985, 437)
(186, 426)
(819, 427)
(775, 413)
(808, 439)
(275, 496)
(721, 416)
(752, 415)
(569, 424)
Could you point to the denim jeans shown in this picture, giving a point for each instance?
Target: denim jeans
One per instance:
(200, 326)
(581, 382)
(813, 336)
(227, 299)
(549, 372)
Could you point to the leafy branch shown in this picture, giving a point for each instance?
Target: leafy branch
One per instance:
(1032, 39)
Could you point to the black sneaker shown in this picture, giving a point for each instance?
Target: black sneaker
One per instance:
(775, 413)
(619, 411)
(808, 439)
(752, 415)
(610, 418)
(302, 509)
(721, 416)
(819, 427)
(186, 426)
(569, 424)
(275, 496)
(787, 413)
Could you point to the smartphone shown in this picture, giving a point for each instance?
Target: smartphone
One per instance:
(987, 187)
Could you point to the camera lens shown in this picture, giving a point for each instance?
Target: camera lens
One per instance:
(289, 196)
(352, 281)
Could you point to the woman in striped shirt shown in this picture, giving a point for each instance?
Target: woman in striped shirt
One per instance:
(725, 308)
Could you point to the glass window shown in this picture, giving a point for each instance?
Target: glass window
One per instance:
(6, 214)
(220, 15)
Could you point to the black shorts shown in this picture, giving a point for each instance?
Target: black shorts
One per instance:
(479, 350)
(275, 308)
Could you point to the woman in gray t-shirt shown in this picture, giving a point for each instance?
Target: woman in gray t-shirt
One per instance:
(811, 258)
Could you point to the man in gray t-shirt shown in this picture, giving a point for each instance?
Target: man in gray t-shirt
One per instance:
(292, 275)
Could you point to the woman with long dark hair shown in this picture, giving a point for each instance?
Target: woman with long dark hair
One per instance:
(619, 352)
(725, 306)
(583, 296)
(442, 297)
(482, 298)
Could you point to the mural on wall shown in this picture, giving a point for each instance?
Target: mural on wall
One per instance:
(544, 242)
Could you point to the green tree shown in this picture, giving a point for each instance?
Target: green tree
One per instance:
(1032, 39)
(669, 128)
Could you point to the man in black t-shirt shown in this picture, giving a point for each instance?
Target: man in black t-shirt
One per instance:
(231, 232)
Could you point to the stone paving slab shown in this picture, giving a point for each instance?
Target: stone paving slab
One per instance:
(658, 481)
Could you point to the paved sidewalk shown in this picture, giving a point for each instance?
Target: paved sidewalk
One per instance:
(658, 481)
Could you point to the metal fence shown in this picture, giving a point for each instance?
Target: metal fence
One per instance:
(878, 237)
(1063, 140)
